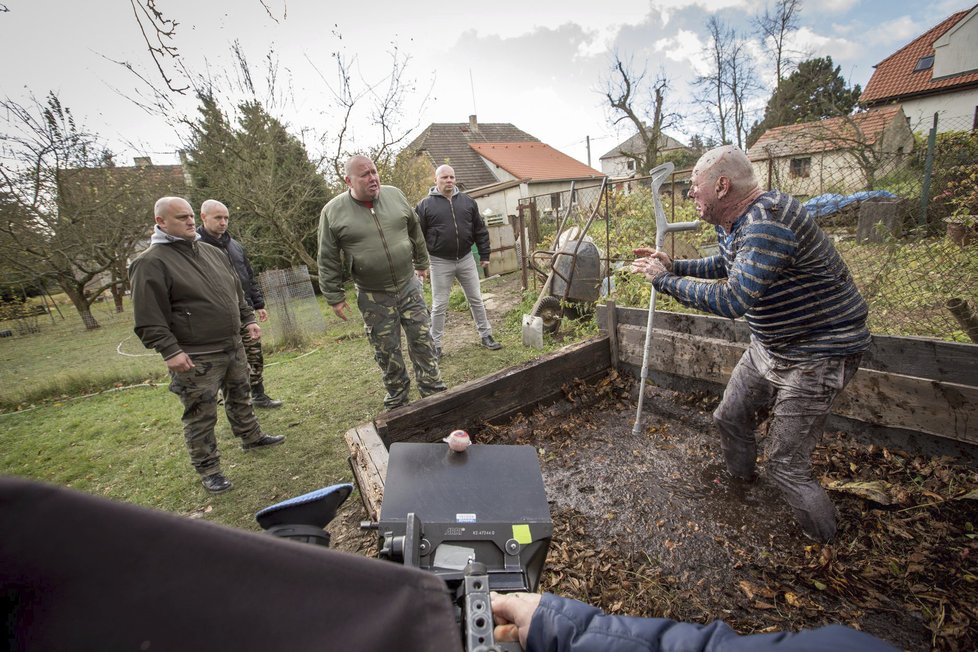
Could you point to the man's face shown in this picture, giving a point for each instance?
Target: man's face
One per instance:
(363, 180)
(177, 219)
(703, 192)
(445, 180)
(215, 220)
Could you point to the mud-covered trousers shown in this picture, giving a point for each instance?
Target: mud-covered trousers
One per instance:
(384, 314)
(226, 371)
(797, 397)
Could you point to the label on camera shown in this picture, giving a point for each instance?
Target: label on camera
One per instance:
(465, 518)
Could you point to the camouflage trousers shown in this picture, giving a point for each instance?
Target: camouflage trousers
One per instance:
(256, 359)
(384, 314)
(226, 371)
(797, 397)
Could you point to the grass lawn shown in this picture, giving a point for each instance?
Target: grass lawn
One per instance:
(127, 443)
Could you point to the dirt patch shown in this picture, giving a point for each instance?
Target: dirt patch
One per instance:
(649, 524)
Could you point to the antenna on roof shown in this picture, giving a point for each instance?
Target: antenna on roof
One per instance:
(472, 86)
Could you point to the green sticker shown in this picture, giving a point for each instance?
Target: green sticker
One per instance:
(522, 534)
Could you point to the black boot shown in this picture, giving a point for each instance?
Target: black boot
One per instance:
(262, 400)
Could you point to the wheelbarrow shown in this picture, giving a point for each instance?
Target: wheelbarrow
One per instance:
(572, 267)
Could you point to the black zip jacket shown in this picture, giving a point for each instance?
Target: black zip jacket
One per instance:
(451, 226)
(239, 261)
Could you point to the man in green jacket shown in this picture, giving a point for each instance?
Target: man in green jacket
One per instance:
(374, 230)
(188, 305)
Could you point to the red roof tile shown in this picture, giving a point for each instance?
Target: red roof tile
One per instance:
(824, 135)
(895, 79)
(536, 161)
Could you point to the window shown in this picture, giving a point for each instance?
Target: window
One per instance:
(801, 167)
(631, 164)
(555, 200)
(924, 63)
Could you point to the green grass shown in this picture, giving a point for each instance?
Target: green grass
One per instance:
(127, 444)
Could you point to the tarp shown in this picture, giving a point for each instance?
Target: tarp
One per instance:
(829, 203)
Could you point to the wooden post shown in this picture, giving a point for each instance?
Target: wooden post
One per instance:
(613, 332)
(963, 312)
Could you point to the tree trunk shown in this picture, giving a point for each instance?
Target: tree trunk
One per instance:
(78, 299)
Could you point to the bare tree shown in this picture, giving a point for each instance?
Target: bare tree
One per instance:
(635, 100)
(741, 83)
(65, 216)
(774, 28)
(713, 88)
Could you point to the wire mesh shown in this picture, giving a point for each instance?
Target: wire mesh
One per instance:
(294, 313)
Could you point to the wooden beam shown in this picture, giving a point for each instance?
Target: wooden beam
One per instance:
(894, 400)
(612, 332)
(495, 397)
(368, 459)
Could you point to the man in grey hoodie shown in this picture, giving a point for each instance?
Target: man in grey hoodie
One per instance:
(188, 305)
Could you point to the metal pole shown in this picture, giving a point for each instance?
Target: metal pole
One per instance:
(928, 170)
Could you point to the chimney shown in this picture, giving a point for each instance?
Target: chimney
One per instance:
(473, 124)
(142, 161)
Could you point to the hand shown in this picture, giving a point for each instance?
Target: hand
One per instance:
(180, 363)
(262, 314)
(651, 267)
(254, 332)
(422, 274)
(648, 252)
(485, 264)
(513, 613)
(340, 309)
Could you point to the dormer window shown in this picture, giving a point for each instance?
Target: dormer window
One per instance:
(924, 63)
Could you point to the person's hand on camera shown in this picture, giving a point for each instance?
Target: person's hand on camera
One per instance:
(513, 613)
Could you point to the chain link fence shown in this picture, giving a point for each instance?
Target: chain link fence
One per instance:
(291, 301)
(900, 207)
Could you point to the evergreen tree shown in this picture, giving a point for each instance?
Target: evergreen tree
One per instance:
(814, 91)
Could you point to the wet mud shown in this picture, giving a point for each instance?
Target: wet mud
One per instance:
(650, 524)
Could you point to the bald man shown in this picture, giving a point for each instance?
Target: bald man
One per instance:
(778, 270)
(213, 230)
(188, 305)
(373, 230)
(451, 224)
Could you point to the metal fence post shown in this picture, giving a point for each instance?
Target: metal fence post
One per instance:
(928, 169)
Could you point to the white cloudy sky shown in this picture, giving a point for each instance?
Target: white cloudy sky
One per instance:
(536, 64)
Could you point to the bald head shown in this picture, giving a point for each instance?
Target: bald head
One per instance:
(214, 216)
(175, 217)
(722, 185)
(445, 180)
(362, 178)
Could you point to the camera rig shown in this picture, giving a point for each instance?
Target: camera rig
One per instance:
(478, 519)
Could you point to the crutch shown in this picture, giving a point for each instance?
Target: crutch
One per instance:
(662, 227)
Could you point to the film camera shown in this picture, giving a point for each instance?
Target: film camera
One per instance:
(479, 520)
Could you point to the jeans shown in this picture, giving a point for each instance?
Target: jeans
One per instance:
(443, 274)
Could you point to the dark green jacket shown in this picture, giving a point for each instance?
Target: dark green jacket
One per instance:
(187, 298)
(384, 244)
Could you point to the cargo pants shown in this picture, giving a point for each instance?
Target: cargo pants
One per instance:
(384, 314)
(256, 359)
(797, 397)
(225, 371)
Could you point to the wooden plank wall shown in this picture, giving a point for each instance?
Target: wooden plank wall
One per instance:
(907, 383)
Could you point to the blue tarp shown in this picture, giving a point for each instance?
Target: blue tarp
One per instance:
(831, 203)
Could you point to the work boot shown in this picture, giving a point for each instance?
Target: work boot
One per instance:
(262, 400)
(216, 483)
(264, 442)
(490, 343)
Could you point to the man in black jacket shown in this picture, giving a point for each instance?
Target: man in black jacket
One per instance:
(213, 230)
(451, 224)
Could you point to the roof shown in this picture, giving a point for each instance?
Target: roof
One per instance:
(634, 145)
(824, 135)
(449, 143)
(534, 160)
(895, 79)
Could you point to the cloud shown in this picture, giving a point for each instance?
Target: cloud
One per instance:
(897, 31)
(684, 47)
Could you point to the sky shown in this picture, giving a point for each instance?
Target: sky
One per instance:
(539, 65)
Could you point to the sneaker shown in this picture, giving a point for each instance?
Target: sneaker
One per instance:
(265, 401)
(264, 442)
(490, 343)
(216, 483)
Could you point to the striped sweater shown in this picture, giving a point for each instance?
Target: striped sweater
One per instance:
(780, 271)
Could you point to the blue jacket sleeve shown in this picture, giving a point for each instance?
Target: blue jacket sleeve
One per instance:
(564, 625)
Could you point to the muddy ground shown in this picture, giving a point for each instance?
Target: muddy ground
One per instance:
(649, 524)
